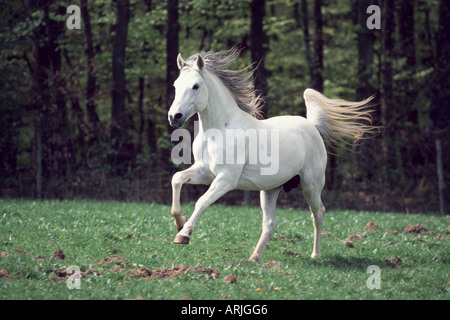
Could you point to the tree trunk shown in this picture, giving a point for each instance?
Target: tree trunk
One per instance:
(93, 119)
(364, 89)
(141, 126)
(387, 105)
(302, 22)
(172, 50)
(406, 31)
(172, 71)
(119, 159)
(317, 82)
(406, 38)
(38, 159)
(366, 38)
(439, 96)
(52, 127)
(257, 48)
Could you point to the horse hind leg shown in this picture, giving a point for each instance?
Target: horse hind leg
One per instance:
(312, 195)
(268, 205)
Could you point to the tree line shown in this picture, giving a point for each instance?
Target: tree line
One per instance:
(83, 111)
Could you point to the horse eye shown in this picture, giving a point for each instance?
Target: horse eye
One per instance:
(195, 87)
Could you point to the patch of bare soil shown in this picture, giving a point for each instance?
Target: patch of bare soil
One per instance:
(285, 239)
(145, 273)
(4, 274)
(445, 235)
(393, 262)
(214, 273)
(348, 241)
(59, 254)
(62, 275)
(272, 264)
(291, 253)
(371, 227)
(416, 229)
(115, 259)
(349, 244)
(230, 279)
(141, 273)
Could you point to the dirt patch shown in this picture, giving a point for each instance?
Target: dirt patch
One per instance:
(145, 273)
(230, 279)
(371, 227)
(285, 239)
(20, 251)
(416, 229)
(120, 265)
(214, 273)
(272, 264)
(59, 254)
(291, 253)
(355, 236)
(115, 259)
(4, 274)
(169, 273)
(349, 244)
(141, 273)
(393, 262)
(445, 235)
(62, 275)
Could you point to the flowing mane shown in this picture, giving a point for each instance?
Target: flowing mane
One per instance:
(239, 82)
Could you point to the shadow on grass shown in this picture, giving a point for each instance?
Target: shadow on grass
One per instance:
(347, 263)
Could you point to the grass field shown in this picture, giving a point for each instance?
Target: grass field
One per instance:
(125, 251)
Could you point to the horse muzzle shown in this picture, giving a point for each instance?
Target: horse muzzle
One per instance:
(177, 120)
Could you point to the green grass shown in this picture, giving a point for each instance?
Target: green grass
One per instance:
(224, 238)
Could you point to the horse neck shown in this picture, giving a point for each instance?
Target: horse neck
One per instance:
(221, 107)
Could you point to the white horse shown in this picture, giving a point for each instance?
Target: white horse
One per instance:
(225, 100)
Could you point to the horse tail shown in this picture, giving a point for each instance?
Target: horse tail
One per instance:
(339, 121)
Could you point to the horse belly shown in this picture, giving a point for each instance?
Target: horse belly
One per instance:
(290, 162)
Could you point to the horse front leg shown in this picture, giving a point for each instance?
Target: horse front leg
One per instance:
(220, 186)
(196, 174)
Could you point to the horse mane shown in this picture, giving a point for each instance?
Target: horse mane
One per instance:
(239, 82)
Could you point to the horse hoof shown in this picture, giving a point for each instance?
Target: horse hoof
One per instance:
(179, 239)
(253, 258)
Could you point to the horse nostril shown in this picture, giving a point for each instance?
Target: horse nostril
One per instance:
(178, 116)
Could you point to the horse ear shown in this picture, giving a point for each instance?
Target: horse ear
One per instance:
(200, 62)
(180, 61)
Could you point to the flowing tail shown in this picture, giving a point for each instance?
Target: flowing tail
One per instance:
(339, 121)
